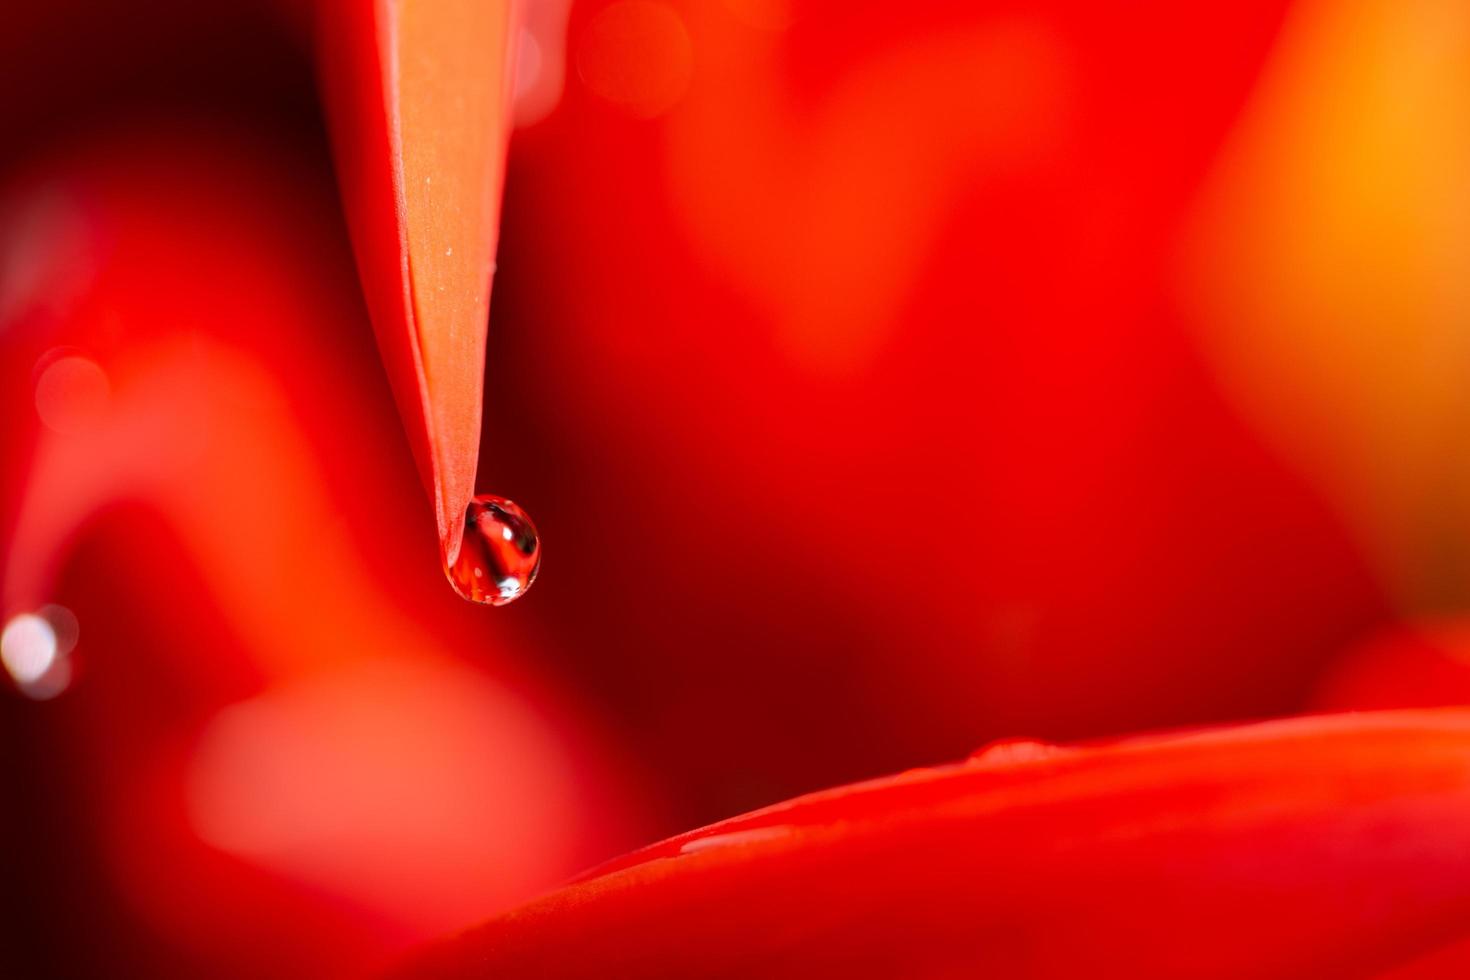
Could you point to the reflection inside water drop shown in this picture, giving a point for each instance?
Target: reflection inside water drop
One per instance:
(500, 555)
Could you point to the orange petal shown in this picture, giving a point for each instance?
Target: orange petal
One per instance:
(417, 100)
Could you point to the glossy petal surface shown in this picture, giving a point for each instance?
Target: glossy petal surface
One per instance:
(1314, 847)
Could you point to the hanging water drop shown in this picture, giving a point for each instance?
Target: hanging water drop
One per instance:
(500, 555)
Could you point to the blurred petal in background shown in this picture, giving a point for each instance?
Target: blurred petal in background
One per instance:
(884, 379)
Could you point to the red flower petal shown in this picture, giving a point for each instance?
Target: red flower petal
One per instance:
(1293, 848)
(416, 96)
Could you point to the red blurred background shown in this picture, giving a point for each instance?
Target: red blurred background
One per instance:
(883, 379)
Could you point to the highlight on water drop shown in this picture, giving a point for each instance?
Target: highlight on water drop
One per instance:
(500, 555)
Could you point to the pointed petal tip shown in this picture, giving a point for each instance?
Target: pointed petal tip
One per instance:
(417, 98)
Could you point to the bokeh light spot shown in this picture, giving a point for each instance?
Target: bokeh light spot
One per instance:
(637, 55)
(34, 656)
(540, 62)
(71, 394)
(422, 791)
(28, 647)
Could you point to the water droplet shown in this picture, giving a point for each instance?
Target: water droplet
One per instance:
(500, 555)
